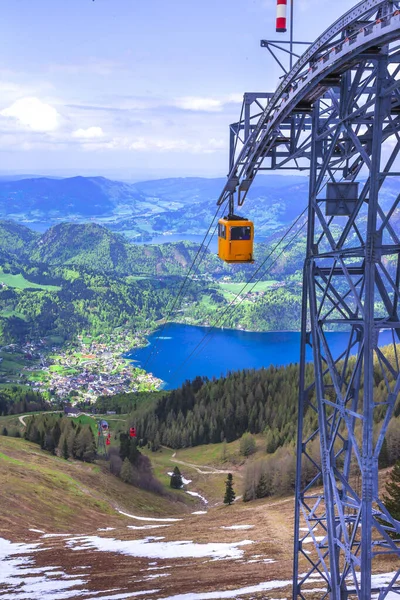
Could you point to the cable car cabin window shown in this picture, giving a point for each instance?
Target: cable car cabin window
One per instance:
(240, 233)
(222, 230)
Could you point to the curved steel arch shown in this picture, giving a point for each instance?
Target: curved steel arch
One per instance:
(323, 58)
(337, 114)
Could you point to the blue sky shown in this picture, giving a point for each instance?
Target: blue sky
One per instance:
(134, 88)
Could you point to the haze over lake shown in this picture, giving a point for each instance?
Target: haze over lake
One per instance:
(223, 350)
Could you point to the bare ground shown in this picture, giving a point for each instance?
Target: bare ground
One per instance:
(55, 496)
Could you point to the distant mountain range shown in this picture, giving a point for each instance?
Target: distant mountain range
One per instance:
(145, 209)
(94, 247)
(182, 207)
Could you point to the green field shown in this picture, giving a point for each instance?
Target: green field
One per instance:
(11, 366)
(12, 363)
(38, 376)
(61, 370)
(236, 288)
(86, 420)
(136, 277)
(19, 282)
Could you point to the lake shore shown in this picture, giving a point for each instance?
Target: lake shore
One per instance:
(184, 352)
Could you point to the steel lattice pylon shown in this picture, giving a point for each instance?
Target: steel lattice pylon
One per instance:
(351, 281)
(337, 114)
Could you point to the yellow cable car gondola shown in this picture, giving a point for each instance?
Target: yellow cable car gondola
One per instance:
(235, 239)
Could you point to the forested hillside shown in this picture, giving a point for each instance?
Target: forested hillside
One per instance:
(14, 400)
(243, 404)
(84, 277)
(263, 401)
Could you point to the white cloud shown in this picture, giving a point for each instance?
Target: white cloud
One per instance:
(204, 104)
(148, 144)
(89, 133)
(177, 145)
(235, 98)
(33, 114)
(199, 103)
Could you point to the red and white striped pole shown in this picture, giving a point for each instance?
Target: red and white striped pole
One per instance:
(281, 6)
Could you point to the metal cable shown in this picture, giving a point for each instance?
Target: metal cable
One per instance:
(154, 347)
(227, 309)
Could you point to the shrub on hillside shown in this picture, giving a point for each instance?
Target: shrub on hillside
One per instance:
(247, 444)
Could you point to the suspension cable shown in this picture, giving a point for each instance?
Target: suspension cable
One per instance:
(232, 303)
(180, 291)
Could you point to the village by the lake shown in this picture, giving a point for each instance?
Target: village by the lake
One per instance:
(81, 370)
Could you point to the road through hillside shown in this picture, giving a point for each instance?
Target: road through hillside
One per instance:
(203, 469)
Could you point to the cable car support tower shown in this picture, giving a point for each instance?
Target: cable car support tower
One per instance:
(336, 114)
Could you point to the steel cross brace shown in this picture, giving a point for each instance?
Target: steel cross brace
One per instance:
(351, 280)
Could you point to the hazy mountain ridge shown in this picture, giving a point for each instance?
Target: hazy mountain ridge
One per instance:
(175, 205)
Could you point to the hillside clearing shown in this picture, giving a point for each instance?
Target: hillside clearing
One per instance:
(19, 282)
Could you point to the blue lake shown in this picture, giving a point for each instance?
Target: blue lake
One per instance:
(223, 350)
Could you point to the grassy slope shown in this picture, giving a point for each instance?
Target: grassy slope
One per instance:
(19, 282)
(47, 492)
(53, 495)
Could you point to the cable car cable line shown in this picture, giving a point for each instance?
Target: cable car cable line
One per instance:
(232, 303)
(180, 291)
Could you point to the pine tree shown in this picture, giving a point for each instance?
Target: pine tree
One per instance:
(126, 471)
(176, 479)
(124, 446)
(392, 501)
(383, 460)
(229, 492)
(133, 451)
(65, 453)
(262, 489)
(224, 453)
(56, 433)
(247, 444)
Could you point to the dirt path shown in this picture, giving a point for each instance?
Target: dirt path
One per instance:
(21, 419)
(198, 468)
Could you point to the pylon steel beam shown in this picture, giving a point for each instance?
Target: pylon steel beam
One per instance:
(351, 283)
(337, 115)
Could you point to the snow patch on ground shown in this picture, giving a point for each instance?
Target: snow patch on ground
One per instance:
(152, 548)
(121, 596)
(310, 540)
(238, 527)
(145, 526)
(184, 480)
(199, 512)
(106, 529)
(253, 589)
(21, 580)
(257, 559)
(198, 496)
(147, 518)
(382, 579)
(36, 530)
